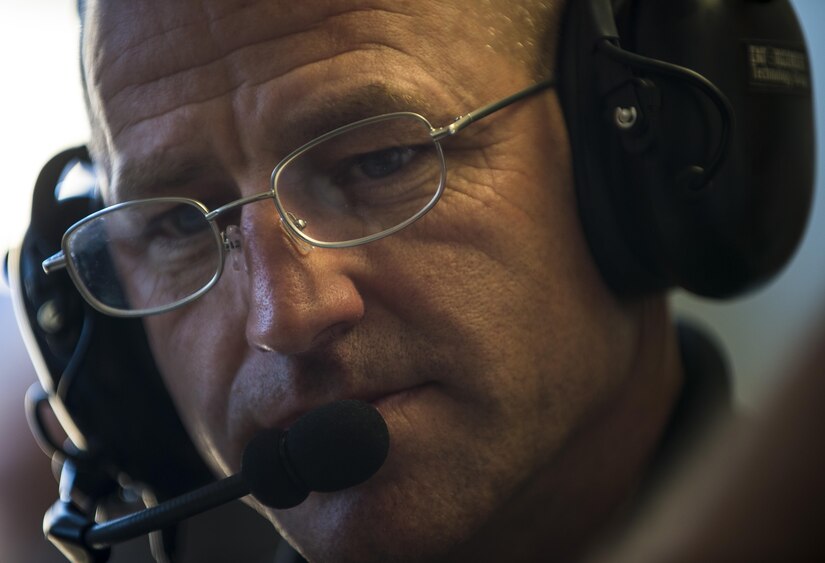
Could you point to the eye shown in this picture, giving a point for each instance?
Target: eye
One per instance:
(180, 221)
(383, 163)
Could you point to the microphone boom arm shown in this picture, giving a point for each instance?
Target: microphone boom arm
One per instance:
(83, 541)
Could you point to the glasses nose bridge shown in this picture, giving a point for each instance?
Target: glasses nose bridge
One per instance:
(232, 235)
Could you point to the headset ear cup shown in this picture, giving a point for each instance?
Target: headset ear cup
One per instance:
(52, 306)
(743, 227)
(720, 238)
(613, 213)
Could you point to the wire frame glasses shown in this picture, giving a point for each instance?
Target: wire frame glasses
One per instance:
(353, 185)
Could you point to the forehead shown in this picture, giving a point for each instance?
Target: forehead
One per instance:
(182, 46)
(164, 76)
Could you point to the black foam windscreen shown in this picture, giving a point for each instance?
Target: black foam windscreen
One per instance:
(331, 448)
(338, 445)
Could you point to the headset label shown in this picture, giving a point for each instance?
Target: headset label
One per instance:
(779, 68)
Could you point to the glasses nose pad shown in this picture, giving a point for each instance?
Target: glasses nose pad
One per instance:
(301, 246)
(233, 239)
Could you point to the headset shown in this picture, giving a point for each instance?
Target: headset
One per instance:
(691, 127)
(96, 373)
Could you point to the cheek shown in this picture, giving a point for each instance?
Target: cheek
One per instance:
(501, 272)
(198, 349)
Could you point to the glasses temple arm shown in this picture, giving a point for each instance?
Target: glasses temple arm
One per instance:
(54, 263)
(463, 121)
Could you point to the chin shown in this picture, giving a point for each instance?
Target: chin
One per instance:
(366, 525)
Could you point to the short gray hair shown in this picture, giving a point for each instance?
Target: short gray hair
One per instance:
(529, 31)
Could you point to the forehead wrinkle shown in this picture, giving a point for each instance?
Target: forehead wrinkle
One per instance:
(167, 23)
(169, 82)
(231, 34)
(137, 120)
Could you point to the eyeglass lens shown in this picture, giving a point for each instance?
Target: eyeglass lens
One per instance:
(145, 255)
(358, 182)
(362, 181)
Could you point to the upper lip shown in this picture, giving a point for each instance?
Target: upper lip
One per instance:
(308, 382)
(368, 396)
(284, 420)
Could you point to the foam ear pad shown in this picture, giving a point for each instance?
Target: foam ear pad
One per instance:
(644, 134)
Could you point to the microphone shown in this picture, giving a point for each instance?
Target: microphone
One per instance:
(331, 448)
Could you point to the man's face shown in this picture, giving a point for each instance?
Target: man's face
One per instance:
(482, 333)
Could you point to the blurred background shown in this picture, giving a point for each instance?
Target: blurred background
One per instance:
(42, 112)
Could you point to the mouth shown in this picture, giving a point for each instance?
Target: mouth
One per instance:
(386, 402)
(393, 401)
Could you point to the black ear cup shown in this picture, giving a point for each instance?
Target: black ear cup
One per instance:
(97, 371)
(53, 309)
(691, 125)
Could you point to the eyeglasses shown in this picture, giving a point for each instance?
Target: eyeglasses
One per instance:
(354, 185)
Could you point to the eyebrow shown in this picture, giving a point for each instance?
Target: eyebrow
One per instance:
(157, 174)
(319, 115)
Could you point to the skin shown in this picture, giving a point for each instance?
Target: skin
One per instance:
(522, 398)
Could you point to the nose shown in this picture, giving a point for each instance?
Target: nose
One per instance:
(298, 300)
